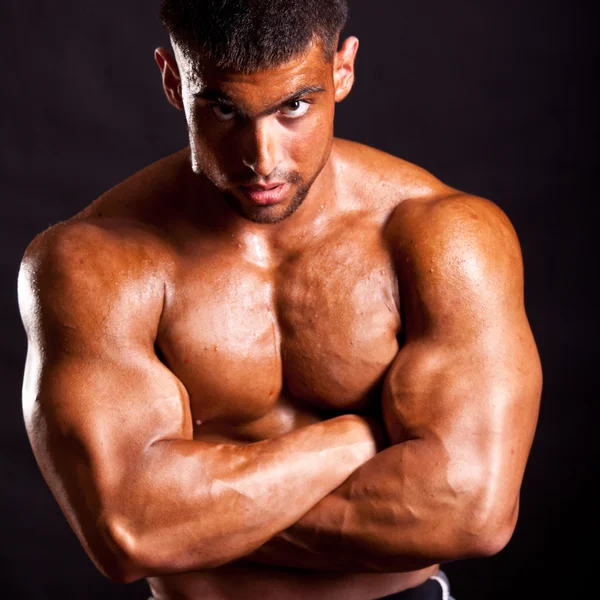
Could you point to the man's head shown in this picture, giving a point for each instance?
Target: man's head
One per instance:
(258, 81)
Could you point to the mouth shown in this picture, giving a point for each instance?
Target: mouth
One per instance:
(265, 195)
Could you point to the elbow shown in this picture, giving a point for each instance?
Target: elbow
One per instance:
(123, 554)
(486, 532)
(116, 553)
(499, 535)
(128, 555)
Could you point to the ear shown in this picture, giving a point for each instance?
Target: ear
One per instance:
(170, 76)
(343, 68)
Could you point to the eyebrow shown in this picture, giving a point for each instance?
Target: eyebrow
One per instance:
(223, 98)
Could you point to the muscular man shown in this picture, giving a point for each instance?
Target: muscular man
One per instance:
(278, 364)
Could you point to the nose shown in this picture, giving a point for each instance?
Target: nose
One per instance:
(262, 148)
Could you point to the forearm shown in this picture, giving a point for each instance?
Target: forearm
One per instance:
(439, 493)
(388, 516)
(194, 505)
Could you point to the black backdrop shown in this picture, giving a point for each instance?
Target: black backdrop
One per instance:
(495, 98)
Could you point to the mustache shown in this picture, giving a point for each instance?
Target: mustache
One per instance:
(292, 178)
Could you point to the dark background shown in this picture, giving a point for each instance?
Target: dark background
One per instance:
(496, 98)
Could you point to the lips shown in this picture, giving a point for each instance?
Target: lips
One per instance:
(266, 194)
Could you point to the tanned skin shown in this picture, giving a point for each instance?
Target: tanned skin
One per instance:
(327, 397)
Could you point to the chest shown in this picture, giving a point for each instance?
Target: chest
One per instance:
(317, 332)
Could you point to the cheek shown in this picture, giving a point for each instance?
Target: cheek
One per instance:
(311, 140)
(210, 150)
(206, 158)
(197, 127)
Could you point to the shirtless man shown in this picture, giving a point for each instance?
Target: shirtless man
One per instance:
(278, 364)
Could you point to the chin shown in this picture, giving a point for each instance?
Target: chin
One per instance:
(269, 215)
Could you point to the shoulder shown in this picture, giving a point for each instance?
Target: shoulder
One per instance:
(76, 273)
(458, 253)
(151, 195)
(92, 246)
(423, 214)
(421, 206)
(451, 221)
(383, 180)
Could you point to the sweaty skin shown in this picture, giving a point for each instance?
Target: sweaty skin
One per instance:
(328, 406)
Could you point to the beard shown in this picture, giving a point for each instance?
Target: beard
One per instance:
(268, 215)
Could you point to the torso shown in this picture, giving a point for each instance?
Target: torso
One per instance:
(262, 349)
(267, 342)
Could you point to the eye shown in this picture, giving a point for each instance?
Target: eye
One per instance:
(223, 112)
(295, 109)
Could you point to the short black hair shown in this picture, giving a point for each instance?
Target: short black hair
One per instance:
(249, 35)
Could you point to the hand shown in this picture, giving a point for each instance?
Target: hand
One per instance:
(378, 432)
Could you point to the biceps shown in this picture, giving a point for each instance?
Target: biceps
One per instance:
(87, 418)
(421, 391)
(474, 410)
(468, 395)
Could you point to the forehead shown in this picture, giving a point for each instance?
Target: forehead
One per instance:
(309, 68)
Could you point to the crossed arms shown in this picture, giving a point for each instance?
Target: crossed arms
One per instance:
(111, 428)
